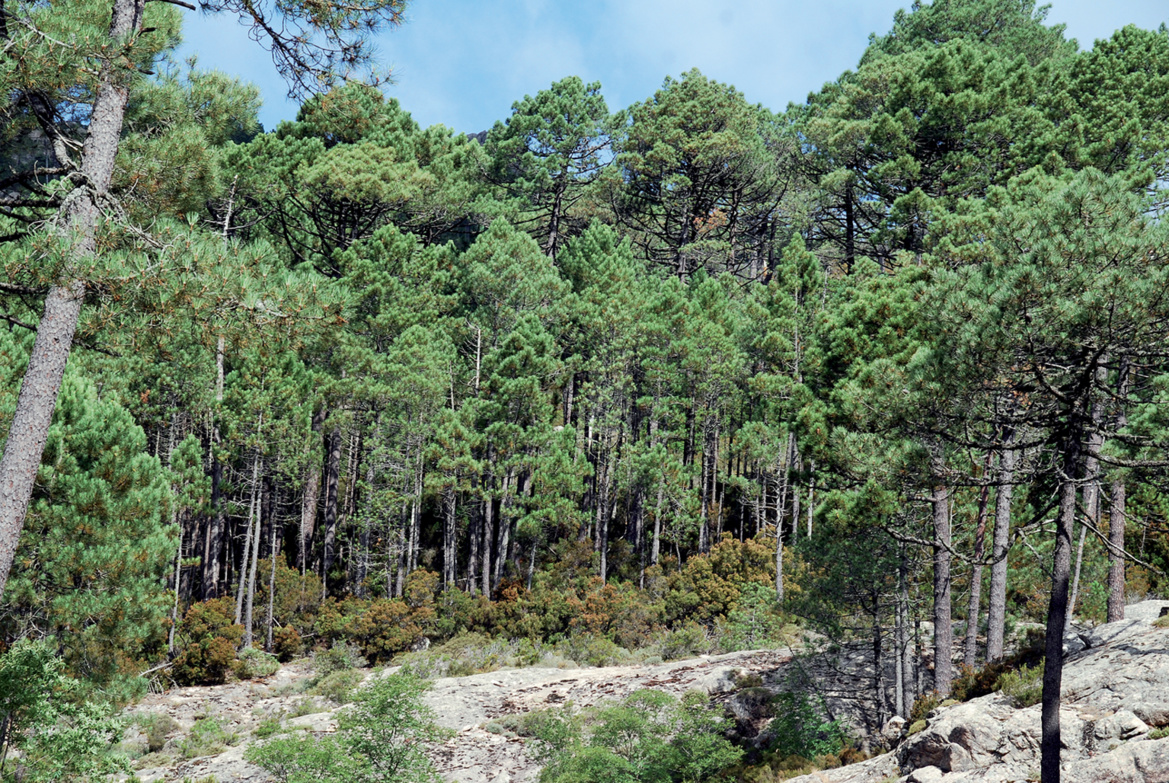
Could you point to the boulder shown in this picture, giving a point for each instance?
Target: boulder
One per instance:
(1114, 690)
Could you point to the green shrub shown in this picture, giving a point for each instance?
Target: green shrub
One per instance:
(338, 658)
(267, 727)
(923, 705)
(286, 643)
(590, 650)
(60, 736)
(686, 642)
(384, 629)
(1162, 622)
(1024, 686)
(649, 737)
(1160, 733)
(801, 728)
(383, 736)
(208, 737)
(338, 686)
(208, 637)
(253, 663)
(156, 726)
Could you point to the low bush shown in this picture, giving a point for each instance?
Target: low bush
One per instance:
(1024, 686)
(208, 637)
(339, 657)
(923, 705)
(156, 727)
(338, 687)
(591, 650)
(382, 736)
(253, 663)
(208, 737)
(286, 643)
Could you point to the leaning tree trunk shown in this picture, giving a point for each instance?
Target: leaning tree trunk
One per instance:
(1057, 614)
(46, 366)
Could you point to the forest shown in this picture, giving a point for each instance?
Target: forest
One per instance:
(690, 374)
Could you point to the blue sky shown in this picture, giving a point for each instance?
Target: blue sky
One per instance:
(463, 63)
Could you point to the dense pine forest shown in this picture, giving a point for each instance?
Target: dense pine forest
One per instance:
(690, 375)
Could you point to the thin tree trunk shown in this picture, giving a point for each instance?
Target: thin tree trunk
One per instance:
(943, 629)
(474, 537)
(488, 540)
(29, 429)
(1091, 496)
(656, 550)
(779, 507)
(974, 606)
(906, 659)
(271, 587)
(997, 610)
(449, 537)
(332, 477)
(251, 571)
(217, 520)
(1116, 514)
(1116, 522)
(241, 586)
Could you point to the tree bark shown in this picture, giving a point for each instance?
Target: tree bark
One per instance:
(449, 537)
(217, 519)
(332, 477)
(997, 611)
(1057, 614)
(943, 629)
(973, 607)
(251, 570)
(29, 430)
(1116, 522)
(1116, 514)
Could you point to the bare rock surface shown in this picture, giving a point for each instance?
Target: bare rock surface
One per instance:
(1114, 693)
(479, 750)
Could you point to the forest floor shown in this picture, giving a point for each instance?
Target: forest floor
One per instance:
(213, 725)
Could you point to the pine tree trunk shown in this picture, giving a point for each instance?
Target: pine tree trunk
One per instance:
(656, 550)
(943, 629)
(997, 610)
(1057, 613)
(1091, 496)
(974, 606)
(905, 659)
(271, 588)
(449, 537)
(249, 533)
(488, 541)
(779, 507)
(29, 429)
(332, 477)
(217, 520)
(1116, 514)
(474, 537)
(251, 572)
(1116, 522)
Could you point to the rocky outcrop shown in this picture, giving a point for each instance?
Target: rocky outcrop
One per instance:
(480, 750)
(1115, 692)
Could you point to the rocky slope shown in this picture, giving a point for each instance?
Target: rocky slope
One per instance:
(1115, 694)
(479, 751)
